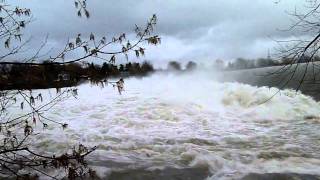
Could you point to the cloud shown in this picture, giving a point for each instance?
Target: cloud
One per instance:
(202, 29)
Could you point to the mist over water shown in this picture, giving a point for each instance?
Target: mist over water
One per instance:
(190, 121)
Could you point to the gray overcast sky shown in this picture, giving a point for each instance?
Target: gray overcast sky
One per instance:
(200, 30)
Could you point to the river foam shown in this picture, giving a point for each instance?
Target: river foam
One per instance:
(189, 121)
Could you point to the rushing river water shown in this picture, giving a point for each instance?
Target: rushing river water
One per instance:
(188, 127)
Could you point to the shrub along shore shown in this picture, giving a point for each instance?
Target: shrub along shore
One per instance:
(48, 75)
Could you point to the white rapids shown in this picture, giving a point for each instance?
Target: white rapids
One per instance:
(189, 121)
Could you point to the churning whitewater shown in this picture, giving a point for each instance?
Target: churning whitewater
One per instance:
(192, 122)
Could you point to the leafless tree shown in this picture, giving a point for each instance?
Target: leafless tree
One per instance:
(17, 157)
(298, 67)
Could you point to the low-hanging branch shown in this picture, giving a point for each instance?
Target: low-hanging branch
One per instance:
(16, 129)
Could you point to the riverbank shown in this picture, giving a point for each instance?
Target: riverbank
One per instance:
(49, 75)
(276, 77)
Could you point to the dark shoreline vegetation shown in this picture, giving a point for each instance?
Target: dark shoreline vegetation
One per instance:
(50, 75)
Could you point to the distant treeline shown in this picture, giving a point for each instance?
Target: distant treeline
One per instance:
(239, 63)
(47, 75)
(242, 63)
(176, 66)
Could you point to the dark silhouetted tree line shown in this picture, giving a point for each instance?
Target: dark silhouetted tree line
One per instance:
(23, 76)
(241, 63)
(176, 66)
